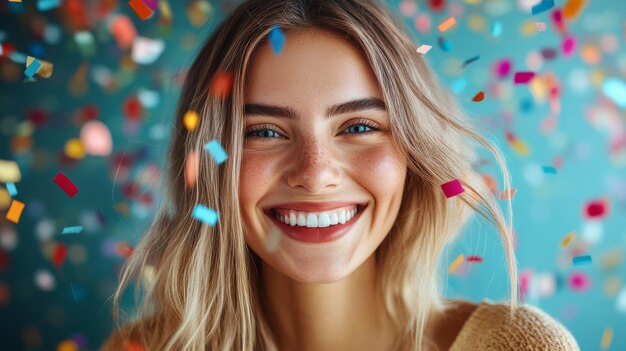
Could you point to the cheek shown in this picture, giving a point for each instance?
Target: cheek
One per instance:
(257, 172)
(378, 169)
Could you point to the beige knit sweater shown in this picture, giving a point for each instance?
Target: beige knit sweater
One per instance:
(490, 328)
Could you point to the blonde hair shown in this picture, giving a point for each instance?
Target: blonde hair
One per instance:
(204, 288)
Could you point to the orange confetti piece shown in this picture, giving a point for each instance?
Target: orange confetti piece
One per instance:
(568, 239)
(222, 84)
(191, 169)
(508, 194)
(455, 264)
(491, 183)
(572, 8)
(447, 24)
(480, 96)
(15, 211)
(141, 9)
(133, 346)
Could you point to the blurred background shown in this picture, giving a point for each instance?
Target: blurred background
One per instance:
(87, 94)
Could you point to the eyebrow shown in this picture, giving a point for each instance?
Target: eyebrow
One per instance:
(370, 103)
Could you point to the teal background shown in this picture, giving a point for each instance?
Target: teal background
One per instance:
(546, 206)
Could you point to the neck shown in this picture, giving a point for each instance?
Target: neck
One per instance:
(345, 315)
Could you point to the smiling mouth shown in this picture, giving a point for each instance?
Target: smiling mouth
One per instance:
(272, 213)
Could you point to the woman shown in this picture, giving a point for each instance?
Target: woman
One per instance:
(332, 218)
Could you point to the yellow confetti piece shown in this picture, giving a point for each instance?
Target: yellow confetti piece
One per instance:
(190, 120)
(519, 147)
(15, 211)
(67, 345)
(74, 149)
(568, 239)
(447, 24)
(607, 336)
(9, 172)
(455, 264)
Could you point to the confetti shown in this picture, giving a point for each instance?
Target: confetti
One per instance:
(60, 252)
(436, 5)
(72, 230)
(452, 188)
(572, 8)
(74, 149)
(549, 169)
(132, 346)
(502, 68)
(557, 21)
(66, 184)
(470, 60)
(579, 281)
(446, 24)
(205, 214)
(123, 31)
(44, 280)
(444, 44)
(423, 49)
(615, 90)
(85, 42)
(190, 120)
(12, 189)
(523, 77)
(474, 259)
(507, 194)
(543, 6)
(96, 138)
(596, 209)
(216, 151)
(222, 84)
(141, 9)
(32, 68)
(277, 40)
(568, 46)
(568, 239)
(540, 26)
(480, 96)
(455, 264)
(15, 211)
(45, 71)
(607, 337)
(191, 169)
(145, 50)
(518, 145)
(496, 29)
(45, 5)
(581, 260)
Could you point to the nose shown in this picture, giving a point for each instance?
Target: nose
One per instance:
(315, 167)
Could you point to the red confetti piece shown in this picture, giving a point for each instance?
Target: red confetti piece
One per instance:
(596, 209)
(142, 10)
(66, 184)
(557, 20)
(124, 249)
(474, 259)
(7, 49)
(523, 77)
(59, 255)
(132, 108)
(222, 84)
(452, 188)
(436, 5)
(480, 96)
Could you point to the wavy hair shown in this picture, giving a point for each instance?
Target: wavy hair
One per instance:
(202, 291)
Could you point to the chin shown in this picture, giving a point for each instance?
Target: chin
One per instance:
(315, 270)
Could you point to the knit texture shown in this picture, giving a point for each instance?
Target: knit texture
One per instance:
(490, 327)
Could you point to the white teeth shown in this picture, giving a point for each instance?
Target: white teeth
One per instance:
(317, 219)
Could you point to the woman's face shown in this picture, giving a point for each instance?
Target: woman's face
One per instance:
(314, 159)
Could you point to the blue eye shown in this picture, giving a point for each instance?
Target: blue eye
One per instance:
(265, 131)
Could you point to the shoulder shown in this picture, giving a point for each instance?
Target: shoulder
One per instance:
(493, 327)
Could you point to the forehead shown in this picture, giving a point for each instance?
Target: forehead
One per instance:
(314, 66)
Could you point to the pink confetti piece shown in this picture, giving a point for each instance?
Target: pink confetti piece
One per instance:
(540, 26)
(423, 49)
(569, 45)
(502, 68)
(579, 281)
(523, 77)
(452, 188)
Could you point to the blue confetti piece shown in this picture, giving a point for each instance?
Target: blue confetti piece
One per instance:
(543, 6)
(12, 189)
(549, 169)
(615, 89)
(32, 68)
(45, 5)
(581, 260)
(458, 85)
(205, 214)
(496, 29)
(444, 44)
(216, 151)
(277, 40)
(470, 60)
(72, 230)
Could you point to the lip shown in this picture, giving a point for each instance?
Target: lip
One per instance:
(314, 206)
(316, 235)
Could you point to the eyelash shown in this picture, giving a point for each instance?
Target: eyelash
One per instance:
(261, 127)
